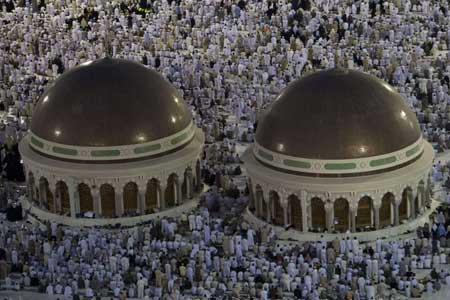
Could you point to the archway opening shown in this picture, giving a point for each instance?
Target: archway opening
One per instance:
(130, 198)
(86, 200)
(364, 215)
(151, 195)
(170, 193)
(277, 214)
(341, 215)
(108, 200)
(64, 198)
(387, 203)
(295, 209)
(318, 215)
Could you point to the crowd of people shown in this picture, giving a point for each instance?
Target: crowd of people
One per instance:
(229, 59)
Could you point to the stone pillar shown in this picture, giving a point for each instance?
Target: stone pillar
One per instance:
(118, 196)
(179, 192)
(309, 216)
(96, 199)
(329, 210)
(141, 199)
(353, 212)
(305, 225)
(376, 216)
(268, 212)
(396, 212)
(420, 197)
(73, 198)
(285, 213)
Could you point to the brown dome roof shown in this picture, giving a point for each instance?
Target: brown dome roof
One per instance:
(109, 102)
(338, 114)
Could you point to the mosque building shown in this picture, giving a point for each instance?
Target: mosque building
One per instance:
(114, 138)
(339, 150)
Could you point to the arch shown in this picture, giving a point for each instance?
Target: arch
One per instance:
(318, 214)
(86, 200)
(276, 211)
(151, 195)
(63, 193)
(170, 195)
(46, 195)
(403, 207)
(386, 209)
(130, 198)
(364, 214)
(295, 209)
(341, 214)
(108, 200)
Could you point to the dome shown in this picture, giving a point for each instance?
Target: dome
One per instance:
(108, 102)
(338, 114)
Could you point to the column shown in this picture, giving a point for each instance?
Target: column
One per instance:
(396, 216)
(353, 211)
(309, 216)
(97, 203)
(119, 201)
(285, 214)
(141, 199)
(376, 216)
(420, 197)
(76, 198)
(71, 189)
(305, 225)
(268, 212)
(179, 192)
(329, 216)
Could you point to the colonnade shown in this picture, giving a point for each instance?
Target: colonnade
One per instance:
(307, 211)
(113, 198)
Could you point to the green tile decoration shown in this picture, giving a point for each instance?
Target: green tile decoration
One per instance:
(297, 164)
(65, 151)
(382, 161)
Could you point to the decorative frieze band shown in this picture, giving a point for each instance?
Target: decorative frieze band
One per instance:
(339, 166)
(115, 152)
